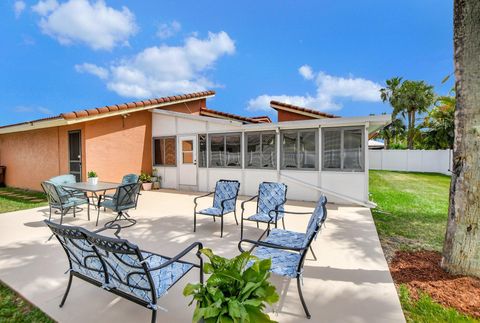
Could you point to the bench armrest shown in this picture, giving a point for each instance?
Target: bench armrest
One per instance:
(181, 255)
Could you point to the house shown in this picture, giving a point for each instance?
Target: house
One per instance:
(192, 146)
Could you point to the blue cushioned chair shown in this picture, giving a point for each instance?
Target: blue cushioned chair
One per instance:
(61, 180)
(121, 267)
(63, 200)
(224, 202)
(271, 198)
(124, 199)
(127, 179)
(288, 249)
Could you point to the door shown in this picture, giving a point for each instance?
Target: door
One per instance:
(188, 160)
(75, 153)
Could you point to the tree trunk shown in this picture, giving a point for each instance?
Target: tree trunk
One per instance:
(461, 251)
(411, 127)
(387, 143)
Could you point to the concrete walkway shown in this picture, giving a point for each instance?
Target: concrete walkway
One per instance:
(350, 282)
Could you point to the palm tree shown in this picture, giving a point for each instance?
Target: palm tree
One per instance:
(392, 132)
(439, 124)
(461, 250)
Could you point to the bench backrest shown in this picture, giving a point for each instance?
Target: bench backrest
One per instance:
(81, 256)
(226, 189)
(270, 196)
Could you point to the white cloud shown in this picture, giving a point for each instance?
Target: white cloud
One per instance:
(18, 8)
(165, 70)
(165, 31)
(43, 8)
(98, 71)
(32, 109)
(329, 88)
(306, 71)
(89, 22)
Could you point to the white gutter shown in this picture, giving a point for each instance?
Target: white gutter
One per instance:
(368, 204)
(197, 117)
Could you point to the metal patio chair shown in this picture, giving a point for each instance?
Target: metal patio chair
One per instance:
(127, 179)
(271, 199)
(288, 249)
(124, 199)
(224, 202)
(120, 267)
(63, 201)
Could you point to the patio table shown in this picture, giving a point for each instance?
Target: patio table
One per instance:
(100, 187)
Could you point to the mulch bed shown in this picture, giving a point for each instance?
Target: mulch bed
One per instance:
(421, 271)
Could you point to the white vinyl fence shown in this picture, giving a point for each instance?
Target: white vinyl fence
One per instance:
(428, 161)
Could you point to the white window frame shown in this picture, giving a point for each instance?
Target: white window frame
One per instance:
(153, 151)
(298, 132)
(225, 135)
(342, 153)
(261, 133)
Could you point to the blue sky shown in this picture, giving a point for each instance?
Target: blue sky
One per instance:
(64, 55)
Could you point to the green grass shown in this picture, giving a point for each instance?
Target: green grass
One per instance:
(15, 203)
(13, 308)
(411, 206)
(426, 310)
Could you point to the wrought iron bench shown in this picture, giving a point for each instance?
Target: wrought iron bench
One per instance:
(121, 267)
(288, 249)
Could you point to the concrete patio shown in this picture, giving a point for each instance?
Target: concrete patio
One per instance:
(350, 282)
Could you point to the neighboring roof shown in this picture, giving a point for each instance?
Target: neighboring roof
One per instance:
(265, 119)
(300, 110)
(375, 143)
(231, 116)
(105, 111)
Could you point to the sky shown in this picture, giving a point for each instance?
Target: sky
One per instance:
(332, 56)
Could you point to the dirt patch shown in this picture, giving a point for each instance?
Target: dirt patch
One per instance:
(420, 271)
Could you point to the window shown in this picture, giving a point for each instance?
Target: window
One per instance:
(225, 150)
(299, 149)
(187, 151)
(343, 149)
(202, 150)
(165, 151)
(261, 150)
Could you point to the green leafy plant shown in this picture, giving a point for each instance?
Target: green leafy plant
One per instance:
(145, 178)
(92, 174)
(233, 293)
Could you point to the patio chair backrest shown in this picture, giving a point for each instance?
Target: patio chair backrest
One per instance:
(130, 179)
(62, 180)
(271, 196)
(82, 257)
(54, 197)
(318, 217)
(126, 196)
(226, 190)
(125, 265)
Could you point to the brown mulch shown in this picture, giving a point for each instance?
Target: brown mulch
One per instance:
(421, 271)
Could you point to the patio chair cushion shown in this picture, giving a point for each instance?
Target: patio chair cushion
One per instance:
(285, 238)
(84, 259)
(263, 217)
(60, 180)
(284, 263)
(211, 211)
(74, 201)
(270, 196)
(128, 265)
(225, 190)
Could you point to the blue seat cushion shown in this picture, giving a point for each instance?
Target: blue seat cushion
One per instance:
(211, 211)
(74, 201)
(84, 259)
(284, 263)
(112, 205)
(285, 238)
(263, 217)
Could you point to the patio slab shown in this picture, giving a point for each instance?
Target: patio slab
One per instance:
(350, 281)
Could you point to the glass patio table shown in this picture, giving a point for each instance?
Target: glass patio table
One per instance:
(94, 190)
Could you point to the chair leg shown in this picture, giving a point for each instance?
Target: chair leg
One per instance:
(154, 316)
(194, 221)
(241, 227)
(50, 216)
(221, 227)
(98, 215)
(307, 313)
(61, 215)
(257, 225)
(283, 223)
(235, 214)
(74, 209)
(214, 219)
(88, 211)
(313, 253)
(68, 290)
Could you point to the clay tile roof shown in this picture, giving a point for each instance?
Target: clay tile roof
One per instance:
(277, 104)
(265, 119)
(209, 112)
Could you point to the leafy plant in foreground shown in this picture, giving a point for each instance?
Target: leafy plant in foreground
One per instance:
(237, 290)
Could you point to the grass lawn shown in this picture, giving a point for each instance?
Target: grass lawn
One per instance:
(412, 208)
(12, 307)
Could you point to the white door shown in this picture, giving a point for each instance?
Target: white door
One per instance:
(188, 160)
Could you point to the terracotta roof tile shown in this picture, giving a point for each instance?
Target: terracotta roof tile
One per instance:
(301, 109)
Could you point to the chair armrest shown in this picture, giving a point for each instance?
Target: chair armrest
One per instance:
(265, 244)
(181, 255)
(112, 226)
(249, 200)
(276, 210)
(229, 199)
(199, 197)
(290, 212)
